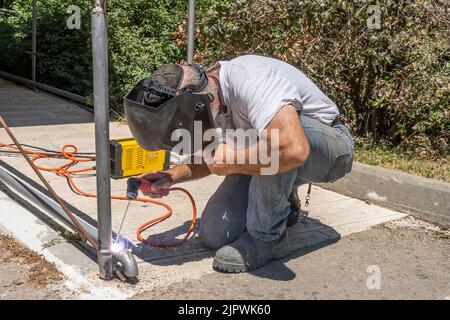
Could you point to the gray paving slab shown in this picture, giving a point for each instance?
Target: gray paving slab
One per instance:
(24, 107)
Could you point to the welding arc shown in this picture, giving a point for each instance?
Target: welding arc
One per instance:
(70, 153)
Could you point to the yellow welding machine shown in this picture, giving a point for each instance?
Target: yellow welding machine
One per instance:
(130, 159)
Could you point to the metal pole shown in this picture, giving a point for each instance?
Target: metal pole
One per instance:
(191, 32)
(101, 115)
(33, 42)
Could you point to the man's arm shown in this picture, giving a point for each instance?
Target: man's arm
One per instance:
(185, 172)
(292, 151)
(165, 179)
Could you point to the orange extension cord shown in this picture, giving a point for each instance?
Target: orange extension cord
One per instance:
(69, 152)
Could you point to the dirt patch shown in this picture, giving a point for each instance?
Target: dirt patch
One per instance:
(41, 272)
(425, 228)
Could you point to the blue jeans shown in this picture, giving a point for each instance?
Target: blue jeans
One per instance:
(260, 203)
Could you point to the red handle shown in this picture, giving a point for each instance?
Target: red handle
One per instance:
(146, 187)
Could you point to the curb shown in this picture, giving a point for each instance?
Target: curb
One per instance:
(422, 197)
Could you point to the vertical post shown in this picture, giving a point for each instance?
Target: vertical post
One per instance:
(191, 32)
(101, 107)
(33, 42)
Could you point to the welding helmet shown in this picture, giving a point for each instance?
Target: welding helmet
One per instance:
(157, 106)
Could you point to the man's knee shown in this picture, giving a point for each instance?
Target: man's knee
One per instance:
(216, 236)
(222, 223)
(224, 217)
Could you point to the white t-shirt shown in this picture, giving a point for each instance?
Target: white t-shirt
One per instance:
(255, 88)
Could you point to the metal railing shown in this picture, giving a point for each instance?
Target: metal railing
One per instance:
(32, 81)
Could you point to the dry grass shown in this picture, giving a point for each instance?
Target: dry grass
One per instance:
(41, 272)
(434, 168)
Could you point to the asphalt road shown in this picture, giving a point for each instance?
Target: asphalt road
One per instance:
(407, 259)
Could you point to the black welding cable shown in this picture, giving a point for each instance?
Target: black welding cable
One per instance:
(48, 150)
(17, 154)
(70, 185)
(55, 154)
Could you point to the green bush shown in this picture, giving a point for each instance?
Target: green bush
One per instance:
(63, 55)
(392, 84)
(5, 4)
(140, 39)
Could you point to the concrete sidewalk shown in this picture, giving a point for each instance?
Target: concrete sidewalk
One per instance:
(332, 216)
(22, 107)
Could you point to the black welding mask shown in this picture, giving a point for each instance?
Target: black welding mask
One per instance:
(157, 106)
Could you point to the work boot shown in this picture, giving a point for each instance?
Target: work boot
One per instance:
(295, 208)
(248, 253)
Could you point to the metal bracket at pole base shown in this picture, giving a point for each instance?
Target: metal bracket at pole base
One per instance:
(125, 266)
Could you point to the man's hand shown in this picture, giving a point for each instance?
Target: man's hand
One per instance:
(220, 154)
(160, 181)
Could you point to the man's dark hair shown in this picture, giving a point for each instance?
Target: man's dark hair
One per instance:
(173, 76)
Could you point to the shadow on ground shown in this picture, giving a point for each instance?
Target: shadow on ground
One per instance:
(306, 236)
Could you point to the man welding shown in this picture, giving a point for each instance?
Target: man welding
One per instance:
(248, 217)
